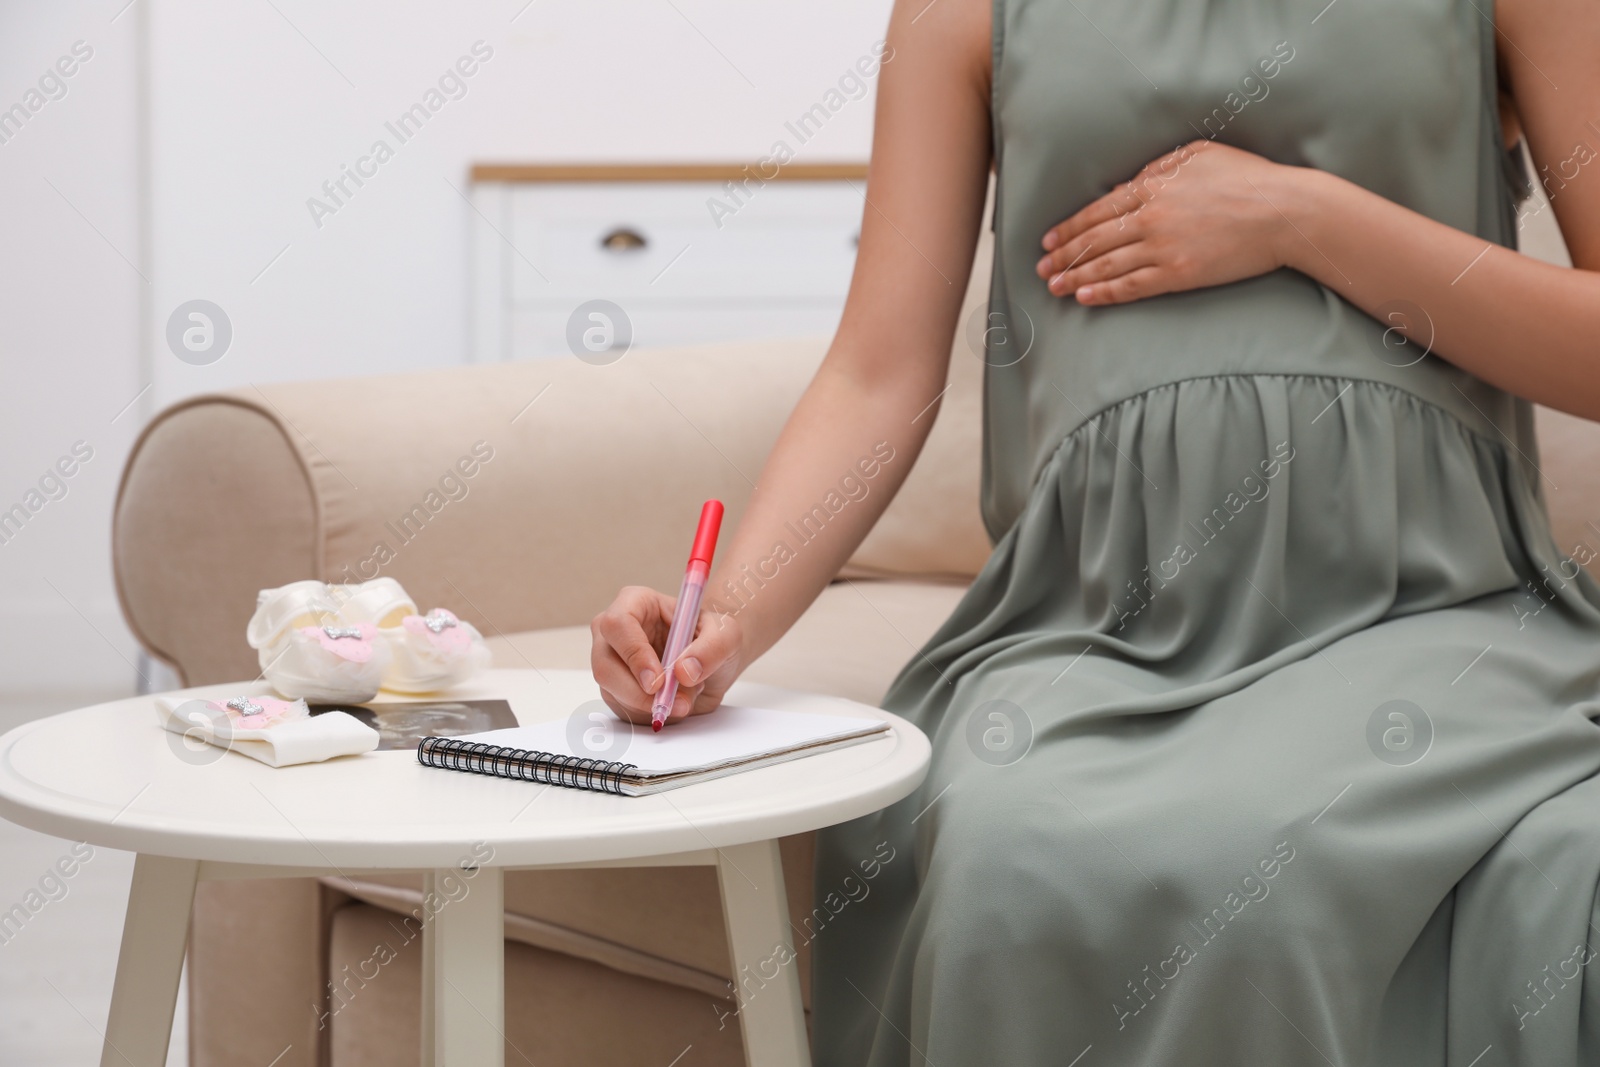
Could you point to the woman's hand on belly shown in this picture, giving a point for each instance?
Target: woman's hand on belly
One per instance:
(1199, 216)
(1208, 214)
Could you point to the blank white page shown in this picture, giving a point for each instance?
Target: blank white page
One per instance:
(731, 734)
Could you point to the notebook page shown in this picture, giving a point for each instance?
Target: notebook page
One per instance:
(730, 734)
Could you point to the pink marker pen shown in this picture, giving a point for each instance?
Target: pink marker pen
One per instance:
(687, 613)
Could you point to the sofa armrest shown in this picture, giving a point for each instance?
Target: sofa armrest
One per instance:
(520, 495)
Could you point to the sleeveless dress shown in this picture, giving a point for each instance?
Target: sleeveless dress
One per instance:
(1266, 735)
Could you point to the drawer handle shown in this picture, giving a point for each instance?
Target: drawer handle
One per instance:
(624, 239)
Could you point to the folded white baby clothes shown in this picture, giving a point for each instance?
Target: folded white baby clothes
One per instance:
(279, 733)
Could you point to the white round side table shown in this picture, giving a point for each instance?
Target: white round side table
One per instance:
(111, 776)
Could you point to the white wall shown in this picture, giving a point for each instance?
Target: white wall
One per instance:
(251, 106)
(251, 117)
(70, 263)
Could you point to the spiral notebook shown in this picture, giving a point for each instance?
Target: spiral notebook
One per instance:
(634, 761)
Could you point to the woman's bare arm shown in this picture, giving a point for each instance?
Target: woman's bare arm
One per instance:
(1219, 214)
(1529, 327)
(871, 396)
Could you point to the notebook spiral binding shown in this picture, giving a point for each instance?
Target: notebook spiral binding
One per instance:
(479, 758)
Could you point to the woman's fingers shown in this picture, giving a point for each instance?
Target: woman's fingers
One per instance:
(1113, 264)
(1193, 218)
(1135, 285)
(628, 666)
(1118, 207)
(618, 687)
(1114, 233)
(1112, 221)
(640, 716)
(715, 642)
(1110, 207)
(623, 654)
(683, 702)
(710, 658)
(629, 627)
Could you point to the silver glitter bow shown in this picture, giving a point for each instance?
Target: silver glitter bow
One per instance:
(244, 706)
(336, 633)
(437, 621)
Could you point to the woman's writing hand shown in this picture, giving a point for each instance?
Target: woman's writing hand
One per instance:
(626, 656)
(1202, 215)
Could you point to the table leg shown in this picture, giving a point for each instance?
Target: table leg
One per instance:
(429, 954)
(150, 963)
(464, 969)
(756, 912)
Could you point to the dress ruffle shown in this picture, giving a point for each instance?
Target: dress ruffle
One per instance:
(1218, 527)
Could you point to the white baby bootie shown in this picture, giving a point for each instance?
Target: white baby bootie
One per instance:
(382, 602)
(435, 651)
(429, 652)
(307, 651)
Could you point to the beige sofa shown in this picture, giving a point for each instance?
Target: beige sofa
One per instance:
(583, 479)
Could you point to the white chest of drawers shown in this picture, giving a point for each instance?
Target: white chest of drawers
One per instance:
(680, 254)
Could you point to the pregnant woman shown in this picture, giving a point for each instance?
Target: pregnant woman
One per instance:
(1266, 735)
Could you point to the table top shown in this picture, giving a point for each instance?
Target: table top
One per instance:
(111, 775)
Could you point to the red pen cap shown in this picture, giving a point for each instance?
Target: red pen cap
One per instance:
(705, 535)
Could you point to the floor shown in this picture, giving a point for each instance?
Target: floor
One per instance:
(56, 971)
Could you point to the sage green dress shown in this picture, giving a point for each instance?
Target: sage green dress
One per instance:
(1266, 735)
